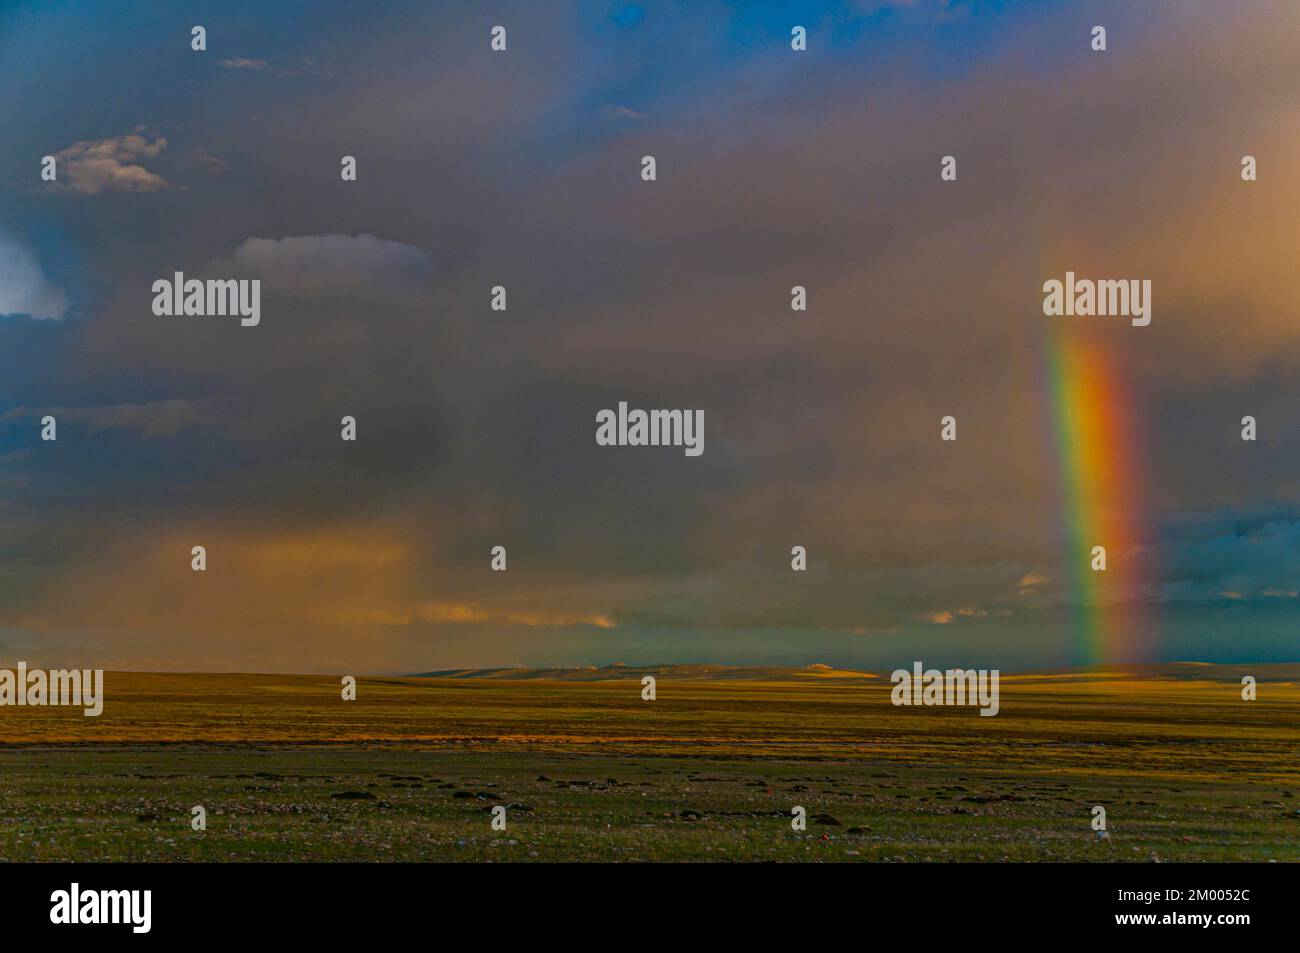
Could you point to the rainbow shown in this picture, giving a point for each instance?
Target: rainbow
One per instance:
(1096, 433)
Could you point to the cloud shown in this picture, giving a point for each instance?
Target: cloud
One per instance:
(1230, 556)
(240, 62)
(164, 418)
(475, 427)
(1031, 582)
(306, 67)
(210, 162)
(316, 266)
(457, 612)
(613, 113)
(942, 10)
(24, 289)
(109, 165)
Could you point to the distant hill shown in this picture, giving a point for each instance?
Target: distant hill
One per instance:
(618, 671)
(1167, 671)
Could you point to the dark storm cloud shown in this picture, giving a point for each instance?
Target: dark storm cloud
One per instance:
(475, 427)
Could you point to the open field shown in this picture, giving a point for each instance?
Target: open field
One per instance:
(709, 771)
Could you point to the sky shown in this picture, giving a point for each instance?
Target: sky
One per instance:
(476, 428)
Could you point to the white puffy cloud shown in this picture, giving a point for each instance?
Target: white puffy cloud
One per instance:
(24, 289)
(328, 265)
(104, 165)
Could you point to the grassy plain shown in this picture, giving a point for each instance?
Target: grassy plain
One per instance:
(710, 770)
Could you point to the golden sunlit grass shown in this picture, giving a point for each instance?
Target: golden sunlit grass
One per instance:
(1186, 768)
